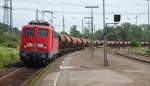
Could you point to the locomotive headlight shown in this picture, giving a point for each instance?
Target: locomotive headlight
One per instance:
(25, 46)
(29, 44)
(42, 45)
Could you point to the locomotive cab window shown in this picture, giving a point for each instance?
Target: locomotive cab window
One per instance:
(29, 32)
(42, 32)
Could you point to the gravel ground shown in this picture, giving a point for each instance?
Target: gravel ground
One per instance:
(87, 71)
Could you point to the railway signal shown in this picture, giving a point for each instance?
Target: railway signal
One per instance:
(117, 18)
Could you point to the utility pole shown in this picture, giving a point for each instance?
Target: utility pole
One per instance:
(42, 16)
(82, 28)
(148, 12)
(92, 41)
(11, 25)
(105, 38)
(52, 16)
(89, 26)
(6, 13)
(63, 24)
(37, 14)
(136, 19)
(148, 19)
(94, 30)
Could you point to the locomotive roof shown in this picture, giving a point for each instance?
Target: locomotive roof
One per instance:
(40, 26)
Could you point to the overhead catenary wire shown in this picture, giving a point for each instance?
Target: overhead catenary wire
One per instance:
(65, 3)
(74, 12)
(71, 12)
(48, 2)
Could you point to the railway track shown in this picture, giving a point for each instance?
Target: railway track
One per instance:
(19, 77)
(138, 53)
(133, 55)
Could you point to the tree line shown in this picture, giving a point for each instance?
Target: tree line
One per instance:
(123, 32)
(4, 35)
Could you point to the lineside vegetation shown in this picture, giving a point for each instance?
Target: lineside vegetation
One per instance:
(8, 56)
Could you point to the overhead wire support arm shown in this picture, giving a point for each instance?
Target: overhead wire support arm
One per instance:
(92, 40)
(51, 12)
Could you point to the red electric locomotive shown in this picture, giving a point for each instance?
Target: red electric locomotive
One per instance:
(39, 43)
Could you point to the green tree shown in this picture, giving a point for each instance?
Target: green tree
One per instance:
(74, 32)
(129, 32)
(86, 33)
(98, 34)
(4, 38)
(135, 43)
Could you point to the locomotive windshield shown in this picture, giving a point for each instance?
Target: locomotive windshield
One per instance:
(42, 32)
(29, 32)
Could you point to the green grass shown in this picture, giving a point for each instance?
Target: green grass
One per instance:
(147, 51)
(8, 56)
(142, 50)
(139, 49)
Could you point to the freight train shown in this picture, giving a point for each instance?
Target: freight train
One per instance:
(40, 43)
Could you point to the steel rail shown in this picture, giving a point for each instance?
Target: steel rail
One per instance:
(32, 76)
(15, 73)
(131, 57)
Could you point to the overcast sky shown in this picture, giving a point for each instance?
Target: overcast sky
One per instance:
(74, 11)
